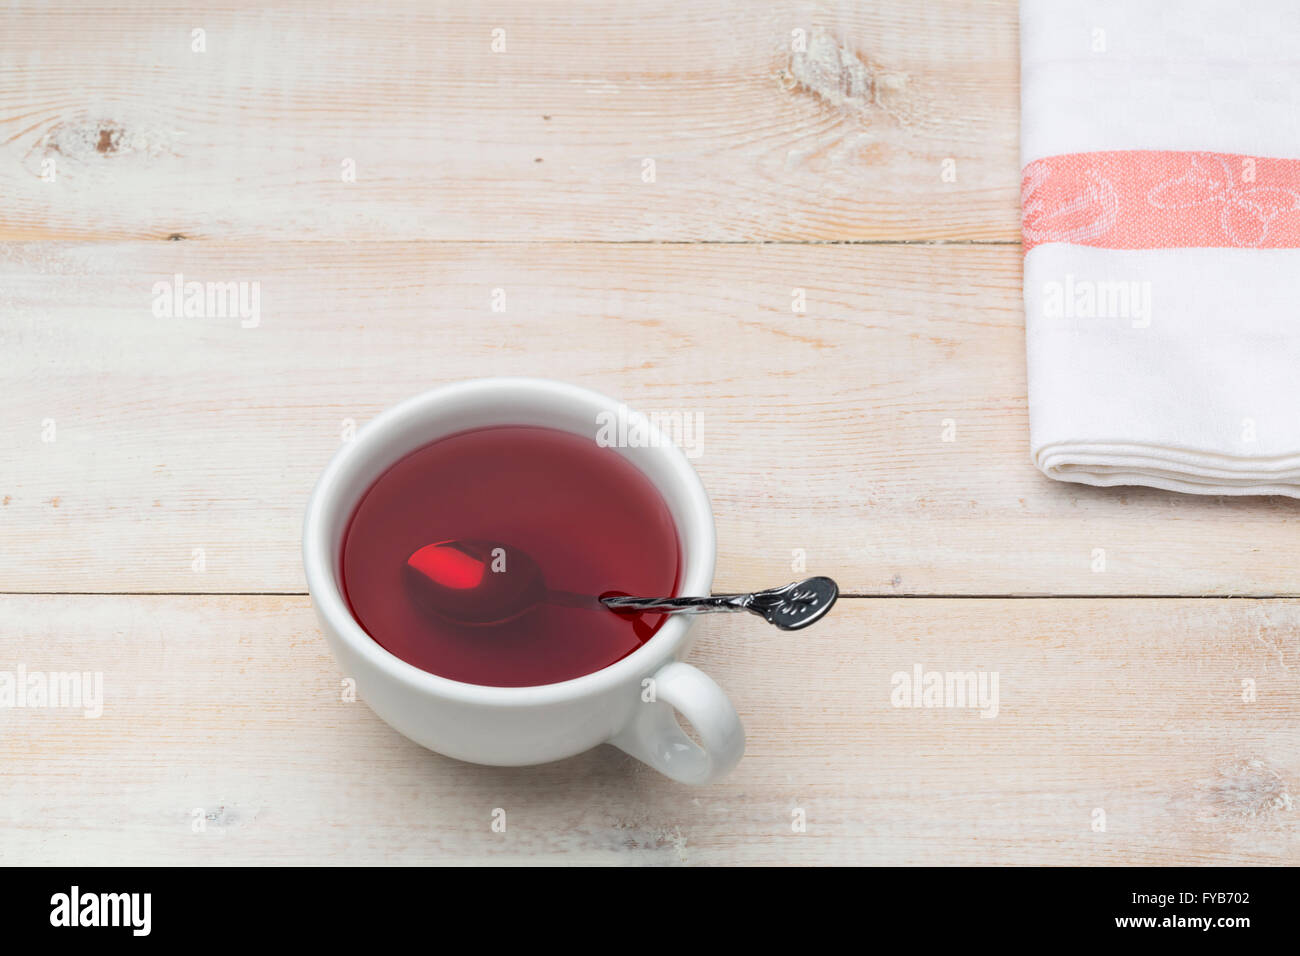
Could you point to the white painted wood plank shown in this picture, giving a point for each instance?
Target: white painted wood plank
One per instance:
(231, 704)
(820, 431)
(893, 120)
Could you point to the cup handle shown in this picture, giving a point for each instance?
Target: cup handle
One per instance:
(654, 735)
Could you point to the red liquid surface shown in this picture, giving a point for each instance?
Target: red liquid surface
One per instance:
(586, 516)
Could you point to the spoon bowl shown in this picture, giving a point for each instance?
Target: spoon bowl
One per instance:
(475, 583)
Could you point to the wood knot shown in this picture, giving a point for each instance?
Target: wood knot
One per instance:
(831, 72)
(110, 137)
(88, 143)
(1247, 790)
(86, 139)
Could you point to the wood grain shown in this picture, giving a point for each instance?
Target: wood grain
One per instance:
(821, 431)
(232, 705)
(892, 120)
(868, 162)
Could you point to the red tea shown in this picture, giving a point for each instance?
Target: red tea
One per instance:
(585, 515)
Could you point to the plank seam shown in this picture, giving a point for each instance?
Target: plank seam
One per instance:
(851, 597)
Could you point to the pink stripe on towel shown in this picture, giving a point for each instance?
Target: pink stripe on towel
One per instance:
(1161, 199)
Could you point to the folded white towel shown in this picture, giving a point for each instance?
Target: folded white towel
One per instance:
(1161, 215)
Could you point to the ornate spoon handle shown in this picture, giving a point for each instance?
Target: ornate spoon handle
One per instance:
(790, 608)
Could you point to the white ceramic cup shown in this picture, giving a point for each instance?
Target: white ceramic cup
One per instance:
(631, 704)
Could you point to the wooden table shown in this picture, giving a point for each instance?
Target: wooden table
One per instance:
(638, 197)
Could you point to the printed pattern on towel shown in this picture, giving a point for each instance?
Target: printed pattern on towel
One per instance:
(1156, 199)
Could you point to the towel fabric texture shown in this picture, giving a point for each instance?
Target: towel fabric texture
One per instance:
(1160, 193)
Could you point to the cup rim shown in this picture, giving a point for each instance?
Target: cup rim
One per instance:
(698, 559)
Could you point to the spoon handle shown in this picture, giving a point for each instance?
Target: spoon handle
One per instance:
(790, 607)
(715, 604)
